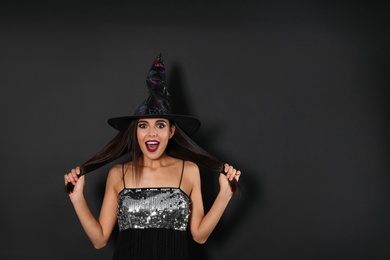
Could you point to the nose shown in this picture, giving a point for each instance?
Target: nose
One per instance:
(152, 132)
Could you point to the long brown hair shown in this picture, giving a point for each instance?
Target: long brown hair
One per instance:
(181, 146)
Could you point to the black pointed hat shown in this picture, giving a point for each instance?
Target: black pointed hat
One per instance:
(158, 103)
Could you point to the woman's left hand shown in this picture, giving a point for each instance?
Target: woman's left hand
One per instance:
(230, 173)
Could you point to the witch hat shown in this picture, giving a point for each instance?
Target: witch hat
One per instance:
(158, 103)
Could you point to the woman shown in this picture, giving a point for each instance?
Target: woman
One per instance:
(157, 192)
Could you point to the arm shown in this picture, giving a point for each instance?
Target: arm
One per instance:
(203, 225)
(98, 230)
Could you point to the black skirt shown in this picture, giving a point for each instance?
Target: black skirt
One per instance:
(151, 244)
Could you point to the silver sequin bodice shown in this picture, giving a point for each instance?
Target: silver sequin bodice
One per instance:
(153, 208)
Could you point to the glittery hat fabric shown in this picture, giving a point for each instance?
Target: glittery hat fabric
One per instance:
(158, 103)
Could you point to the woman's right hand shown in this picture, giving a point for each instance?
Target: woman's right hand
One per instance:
(78, 182)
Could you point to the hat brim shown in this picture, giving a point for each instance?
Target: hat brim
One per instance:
(188, 124)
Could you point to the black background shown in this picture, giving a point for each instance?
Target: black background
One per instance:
(293, 93)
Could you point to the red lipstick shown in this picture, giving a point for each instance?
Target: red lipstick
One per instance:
(152, 145)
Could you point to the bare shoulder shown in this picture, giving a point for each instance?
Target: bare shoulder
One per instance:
(114, 177)
(191, 170)
(115, 172)
(191, 178)
(191, 166)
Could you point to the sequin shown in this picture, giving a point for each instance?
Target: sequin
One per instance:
(153, 208)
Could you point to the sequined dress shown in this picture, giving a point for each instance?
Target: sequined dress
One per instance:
(152, 223)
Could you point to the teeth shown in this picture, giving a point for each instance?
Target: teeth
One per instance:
(152, 142)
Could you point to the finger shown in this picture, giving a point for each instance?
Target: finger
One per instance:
(232, 173)
(69, 178)
(72, 176)
(238, 174)
(226, 168)
(75, 175)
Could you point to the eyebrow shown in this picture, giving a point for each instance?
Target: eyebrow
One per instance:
(157, 121)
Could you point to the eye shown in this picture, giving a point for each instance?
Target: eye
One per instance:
(161, 125)
(142, 125)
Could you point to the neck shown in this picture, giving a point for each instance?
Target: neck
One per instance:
(162, 161)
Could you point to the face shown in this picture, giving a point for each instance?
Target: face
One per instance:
(153, 135)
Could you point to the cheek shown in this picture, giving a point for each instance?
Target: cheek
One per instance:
(140, 136)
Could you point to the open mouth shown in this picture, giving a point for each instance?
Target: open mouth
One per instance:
(152, 146)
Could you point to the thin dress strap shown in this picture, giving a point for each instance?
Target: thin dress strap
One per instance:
(181, 177)
(123, 175)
